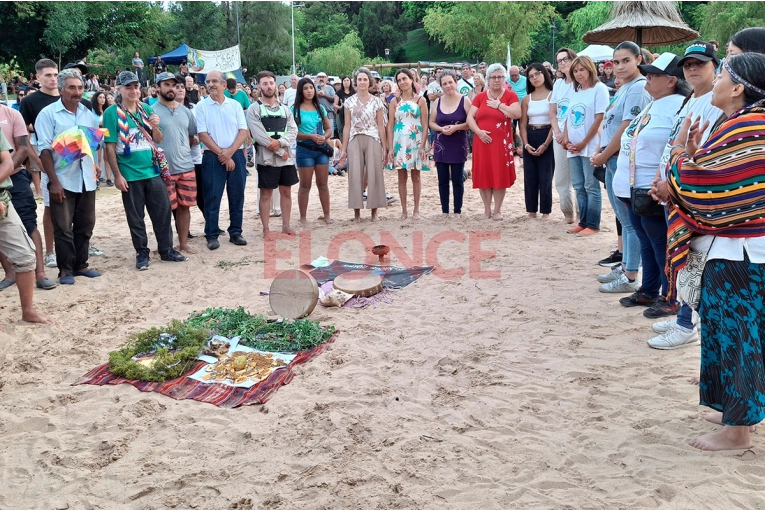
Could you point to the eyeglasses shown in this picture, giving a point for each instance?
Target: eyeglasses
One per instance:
(563, 60)
(496, 77)
(534, 75)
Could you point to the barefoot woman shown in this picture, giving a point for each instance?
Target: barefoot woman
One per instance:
(314, 129)
(732, 306)
(490, 118)
(407, 138)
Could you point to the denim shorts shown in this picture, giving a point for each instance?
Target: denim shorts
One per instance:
(307, 158)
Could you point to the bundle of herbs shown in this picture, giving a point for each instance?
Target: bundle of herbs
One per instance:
(170, 352)
(258, 332)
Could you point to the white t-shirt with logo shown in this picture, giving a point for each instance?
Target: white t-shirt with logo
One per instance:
(583, 107)
(652, 127)
(698, 106)
(466, 87)
(561, 96)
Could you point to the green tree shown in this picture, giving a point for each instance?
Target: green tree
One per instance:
(198, 24)
(723, 19)
(342, 58)
(325, 23)
(265, 29)
(381, 25)
(67, 26)
(591, 16)
(457, 27)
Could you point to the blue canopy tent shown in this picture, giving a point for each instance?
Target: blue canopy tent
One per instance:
(230, 74)
(175, 57)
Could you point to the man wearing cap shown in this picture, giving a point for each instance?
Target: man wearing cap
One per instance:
(72, 185)
(178, 129)
(15, 244)
(274, 131)
(130, 150)
(326, 95)
(222, 130)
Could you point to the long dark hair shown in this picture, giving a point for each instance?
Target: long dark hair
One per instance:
(750, 40)
(299, 100)
(94, 101)
(539, 67)
(751, 68)
(342, 87)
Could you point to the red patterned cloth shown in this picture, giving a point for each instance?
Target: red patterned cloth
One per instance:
(221, 395)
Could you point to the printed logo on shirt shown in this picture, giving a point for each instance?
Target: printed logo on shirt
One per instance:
(635, 111)
(465, 90)
(562, 108)
(577, 115)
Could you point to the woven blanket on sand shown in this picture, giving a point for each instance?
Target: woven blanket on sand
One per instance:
(221, 395)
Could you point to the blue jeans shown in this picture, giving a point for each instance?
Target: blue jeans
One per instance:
(630, 241)
(587, 191)
(652, 236)
(451, 172)
(214, 179)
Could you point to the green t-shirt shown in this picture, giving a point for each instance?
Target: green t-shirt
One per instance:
(138, 164)
(5, 146)
(240, 97)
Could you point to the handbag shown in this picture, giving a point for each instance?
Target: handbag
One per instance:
(689, 278)
(599, 172)
(313, 146)
(643, 204)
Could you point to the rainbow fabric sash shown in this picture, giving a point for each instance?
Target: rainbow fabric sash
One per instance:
(124, 128)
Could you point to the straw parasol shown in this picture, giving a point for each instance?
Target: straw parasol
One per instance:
(645, 22)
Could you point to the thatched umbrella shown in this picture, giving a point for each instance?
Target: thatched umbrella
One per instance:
(645, 22)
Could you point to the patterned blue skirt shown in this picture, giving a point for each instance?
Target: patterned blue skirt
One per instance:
(732, 310)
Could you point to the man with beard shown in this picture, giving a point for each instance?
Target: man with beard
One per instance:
(222, 130)
(274, 131)
(133, 132)
(178, 129)
(72, 186)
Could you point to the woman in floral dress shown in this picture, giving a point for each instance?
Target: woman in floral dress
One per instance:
(408, 135)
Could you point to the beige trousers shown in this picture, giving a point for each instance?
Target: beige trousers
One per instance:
(365, 164)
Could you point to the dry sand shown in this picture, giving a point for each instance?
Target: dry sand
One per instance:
(531, 390)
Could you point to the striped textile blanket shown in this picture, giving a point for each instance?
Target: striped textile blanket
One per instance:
(221, 395)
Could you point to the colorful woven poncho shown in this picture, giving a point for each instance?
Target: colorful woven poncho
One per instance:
(721, 191)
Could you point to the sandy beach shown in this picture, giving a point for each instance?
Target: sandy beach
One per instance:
(503, 380)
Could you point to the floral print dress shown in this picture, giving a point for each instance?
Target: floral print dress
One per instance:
(407, 136)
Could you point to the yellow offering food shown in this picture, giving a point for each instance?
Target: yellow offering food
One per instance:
(240, 366)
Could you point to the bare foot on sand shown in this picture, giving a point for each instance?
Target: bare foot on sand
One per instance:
(35, 317)
(187, 249)
(416, 216)
(289, 230)
(545, 216)
(376, 218)
(727, 438)
(531, 215)
(357, 219)
(716, 418)
(497, 217)
(569, 220)
(487, 215)
(326, 219)
(303, 222)
(444, 215)
(268, 235)
(403, 216)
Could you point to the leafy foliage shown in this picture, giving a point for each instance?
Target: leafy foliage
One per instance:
(176, 347)
(457, 27)
(342, 58)
(381, 25)
(723, 19)
(257, 332)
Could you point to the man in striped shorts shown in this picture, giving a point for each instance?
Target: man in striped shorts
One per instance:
(179, 128)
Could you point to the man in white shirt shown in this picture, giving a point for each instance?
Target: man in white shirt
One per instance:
(465, 86)
(222, 130)
(289, 94)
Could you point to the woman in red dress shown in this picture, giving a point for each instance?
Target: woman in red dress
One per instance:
(491, 119)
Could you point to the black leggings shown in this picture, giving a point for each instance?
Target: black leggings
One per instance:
(453, 172)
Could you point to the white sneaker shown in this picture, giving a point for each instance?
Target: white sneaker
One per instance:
(675, 338)
(94, 252)
(50, 260)
(620, 285)
(615, 273)
(664, 326)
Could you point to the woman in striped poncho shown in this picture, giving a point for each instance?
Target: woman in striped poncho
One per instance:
(719, 191)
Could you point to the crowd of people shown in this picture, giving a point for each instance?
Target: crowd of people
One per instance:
(673, 139)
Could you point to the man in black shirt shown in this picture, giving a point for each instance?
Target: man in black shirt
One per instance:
(159, 66)
(30, 108)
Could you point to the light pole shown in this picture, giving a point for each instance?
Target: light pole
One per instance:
(292, 8)
(553, 28)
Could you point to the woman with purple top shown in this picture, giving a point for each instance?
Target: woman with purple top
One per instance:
(448, 118)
